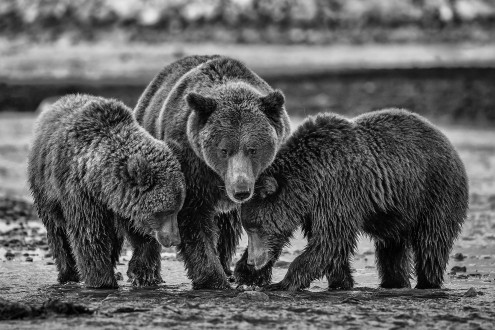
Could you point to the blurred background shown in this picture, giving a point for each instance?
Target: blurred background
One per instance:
(434, 57)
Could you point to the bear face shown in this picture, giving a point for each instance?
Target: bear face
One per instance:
(151, 192)
(236, 132)
(267, 228)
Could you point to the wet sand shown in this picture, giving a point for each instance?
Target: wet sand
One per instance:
(28, 274)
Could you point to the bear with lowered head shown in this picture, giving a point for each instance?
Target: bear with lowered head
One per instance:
(389, 174)
(96, 176)
(229, 124)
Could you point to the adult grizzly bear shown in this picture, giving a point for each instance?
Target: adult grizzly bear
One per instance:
(389, 174)
(229, 124)
(96, 175)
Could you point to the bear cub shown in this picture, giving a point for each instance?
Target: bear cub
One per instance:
(389, 174)
(96, 176)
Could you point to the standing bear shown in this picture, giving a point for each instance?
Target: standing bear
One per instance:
(229, 124)
(96, 175)
(389, 174)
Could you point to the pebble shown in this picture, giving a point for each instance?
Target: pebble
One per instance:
(253, 295)
(29, 259)
(471, 292)
(459, 257)
(459, 269)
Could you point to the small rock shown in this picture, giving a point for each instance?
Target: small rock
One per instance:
(458, 269)
(471, 292)
(29, 259)
(48, 255)
(9, 255)
(253, 295)
(459, 257)
(368, 252)
(173, 309)
(118, 276)
(50, 263)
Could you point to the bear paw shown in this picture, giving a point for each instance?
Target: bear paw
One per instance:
(70, 276)
(246, 275)
(341, 285)
(145, 279)
(139, 276)
(212, 285)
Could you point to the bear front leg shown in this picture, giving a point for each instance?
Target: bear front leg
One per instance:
(340, 279)
(247, 275)
(145, 265)
(198, 249)
(318, 259)
(230, 230)
(92, 238)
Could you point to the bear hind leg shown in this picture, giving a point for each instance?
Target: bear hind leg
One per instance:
(430, 260)
(394, 264)
(59, 244)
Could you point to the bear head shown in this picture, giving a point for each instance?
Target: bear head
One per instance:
(237, 132)
(157, 191)
(268, 227)
(137, 176)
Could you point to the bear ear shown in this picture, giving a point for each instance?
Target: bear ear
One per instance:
(273, 102)
(139, 172)
(202, 105)
(268, 186)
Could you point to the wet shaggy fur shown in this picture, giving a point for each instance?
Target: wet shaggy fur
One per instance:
(215, 108)
(96, 175)
(389, 174)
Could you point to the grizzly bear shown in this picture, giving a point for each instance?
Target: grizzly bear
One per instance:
(389, 174)
(96, 176)
(229, 124)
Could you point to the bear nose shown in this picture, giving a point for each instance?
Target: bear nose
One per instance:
(242, 195)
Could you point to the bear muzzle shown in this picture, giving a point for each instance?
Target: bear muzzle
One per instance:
(239, 180)
(168, 234)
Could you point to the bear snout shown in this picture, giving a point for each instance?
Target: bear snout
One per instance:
(239, 181)
(168, 233)
(258, 253)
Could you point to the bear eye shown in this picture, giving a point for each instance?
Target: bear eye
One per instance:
(252, 151)
(224, 152)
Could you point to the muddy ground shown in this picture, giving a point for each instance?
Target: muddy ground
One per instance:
(31, 298)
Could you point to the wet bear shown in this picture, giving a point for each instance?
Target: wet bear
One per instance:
(96, 175)
(229, 124)
(389, 174)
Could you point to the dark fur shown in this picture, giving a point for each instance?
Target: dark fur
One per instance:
(202, 102)
(95, 174)
(389, 174)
